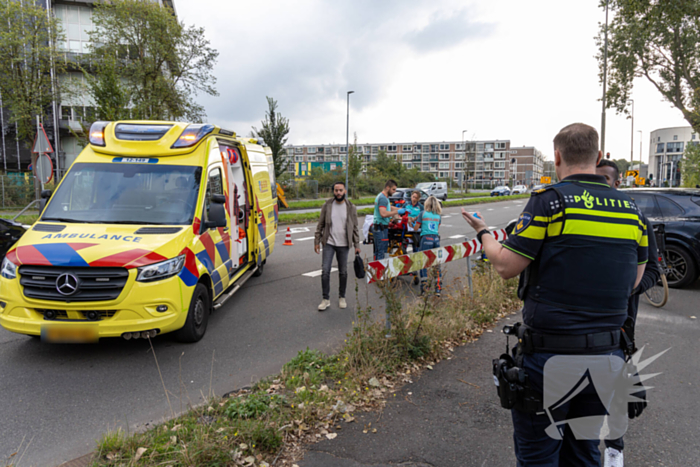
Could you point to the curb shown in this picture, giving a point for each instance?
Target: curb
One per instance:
(83, 461)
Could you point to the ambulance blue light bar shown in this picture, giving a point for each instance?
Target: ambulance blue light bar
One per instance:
(140, 132)
(192, 135)
(97, 133)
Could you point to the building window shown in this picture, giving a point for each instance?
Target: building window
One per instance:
(675, 137)
(674, 147)
(499, 155)
(434, 147)
(299, 150)
(407, 148)
(298, 158)
(391, 148)
(407, 157)
(459, 147)
(459, 165)
(444, 147)
(660, 147)
(444, 165)
(408, 165)
(310, 158)
(444, 156)
(443, 175)
(499, 165)
(488, 147)
(334, 150)
(310, 150)
(500, 145)
(499, 174)
(375, 150)
(459, 156)
(77, 23)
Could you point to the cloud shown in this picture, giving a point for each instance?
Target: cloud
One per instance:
(444, 32)
(308, 61)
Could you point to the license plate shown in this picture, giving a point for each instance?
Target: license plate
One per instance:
(77, 334)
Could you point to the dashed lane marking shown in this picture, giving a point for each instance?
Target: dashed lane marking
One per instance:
(295, 230)
(304, 239)
(317, 273)
(458, 236)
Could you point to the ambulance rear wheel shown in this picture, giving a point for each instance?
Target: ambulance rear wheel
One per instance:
(259, 272)
(197, 316)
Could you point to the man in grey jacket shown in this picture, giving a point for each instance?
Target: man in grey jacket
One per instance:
(337, 232)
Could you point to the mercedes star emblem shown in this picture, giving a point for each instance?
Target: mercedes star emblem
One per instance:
(67, 284)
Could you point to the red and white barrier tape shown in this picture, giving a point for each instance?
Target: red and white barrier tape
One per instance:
(399, 265)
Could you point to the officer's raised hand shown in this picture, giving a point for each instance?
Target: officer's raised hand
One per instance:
(475, 222)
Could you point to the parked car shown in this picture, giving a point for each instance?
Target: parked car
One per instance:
(679, 210)
(500, 191)
(538, 187)
(10, 232)
(519, 190)
(437, 189)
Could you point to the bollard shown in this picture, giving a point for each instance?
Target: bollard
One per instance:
(469, 277)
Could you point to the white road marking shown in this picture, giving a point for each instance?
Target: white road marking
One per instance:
(304, 239)
(446, 216)
(490, 227)
(490, 209)
(298, 230)
(458, 236)
(445, 225)
(317, 273)
(506, 207)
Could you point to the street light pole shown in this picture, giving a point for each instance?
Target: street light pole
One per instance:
(347, 143)
(632, 134)
(605, 81)
(640, 149)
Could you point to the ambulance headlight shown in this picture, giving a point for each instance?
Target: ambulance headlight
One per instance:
(9, 270)
(158, 271)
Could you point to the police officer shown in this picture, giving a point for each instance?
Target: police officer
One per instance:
(584, 248)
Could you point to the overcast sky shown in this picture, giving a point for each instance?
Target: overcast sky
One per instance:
(421, 70)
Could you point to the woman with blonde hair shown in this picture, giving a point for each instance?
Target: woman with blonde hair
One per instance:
(428, 224)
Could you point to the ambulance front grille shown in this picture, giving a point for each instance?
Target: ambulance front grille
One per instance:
(94, 284)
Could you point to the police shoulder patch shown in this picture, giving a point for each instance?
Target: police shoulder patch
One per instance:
(523, 221)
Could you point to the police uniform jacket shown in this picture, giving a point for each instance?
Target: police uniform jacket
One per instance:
(585, 241)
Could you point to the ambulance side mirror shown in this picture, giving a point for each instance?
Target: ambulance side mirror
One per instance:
(45, 195)
(217, 213)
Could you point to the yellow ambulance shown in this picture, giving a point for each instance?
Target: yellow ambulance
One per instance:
(155, 225)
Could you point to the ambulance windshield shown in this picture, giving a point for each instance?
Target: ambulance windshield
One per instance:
(126, 193)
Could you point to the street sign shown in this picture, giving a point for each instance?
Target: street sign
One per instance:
(640, 181)
(545, 180)
(41, 142)
(632, 173)
(44, 168)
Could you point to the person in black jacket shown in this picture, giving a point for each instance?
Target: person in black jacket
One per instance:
(613, 448)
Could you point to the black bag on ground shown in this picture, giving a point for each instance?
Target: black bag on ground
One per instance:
(359, 267)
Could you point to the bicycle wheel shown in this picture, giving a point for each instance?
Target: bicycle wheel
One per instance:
(658, 295)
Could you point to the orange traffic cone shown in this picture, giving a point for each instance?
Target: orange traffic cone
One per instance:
(288, 238)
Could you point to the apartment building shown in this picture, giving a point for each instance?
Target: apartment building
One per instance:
(528, 167)
(486, 162)
(666, 148)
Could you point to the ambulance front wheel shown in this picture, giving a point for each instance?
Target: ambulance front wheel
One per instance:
(197, 316)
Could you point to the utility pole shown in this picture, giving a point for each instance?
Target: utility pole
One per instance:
(605, 81)
(632, 134)
(347, 143)
(466, 162)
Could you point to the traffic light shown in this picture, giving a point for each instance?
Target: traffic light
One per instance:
(607, 155)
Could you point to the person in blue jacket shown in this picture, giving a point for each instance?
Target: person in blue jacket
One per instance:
(428, 224)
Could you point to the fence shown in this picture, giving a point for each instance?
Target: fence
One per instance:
(304, 189)
(17, 190)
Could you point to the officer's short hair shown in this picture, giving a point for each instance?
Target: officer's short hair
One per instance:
(390, 183)
(338, 183)
(609, 163)
(578, 144)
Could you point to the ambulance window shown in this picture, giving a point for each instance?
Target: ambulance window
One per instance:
(273, 184)
(214, 187)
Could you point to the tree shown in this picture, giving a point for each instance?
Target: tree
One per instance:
(622, 165)
(274, 131)
(656, 39)
(386, 166)
(144, 57)
(28, 40)
(690, 166)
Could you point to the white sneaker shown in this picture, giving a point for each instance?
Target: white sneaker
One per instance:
(342, 303)
(613, 458)
(324, 304)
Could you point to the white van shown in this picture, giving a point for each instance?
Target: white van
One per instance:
(437, 189)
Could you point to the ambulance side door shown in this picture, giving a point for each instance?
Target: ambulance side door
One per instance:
(216, 241)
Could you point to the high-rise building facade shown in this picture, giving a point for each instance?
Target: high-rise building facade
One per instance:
(528, 167)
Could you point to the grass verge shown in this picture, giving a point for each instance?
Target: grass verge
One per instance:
(315, 394)
(317, 203)
(27, 219)
(303, 218)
